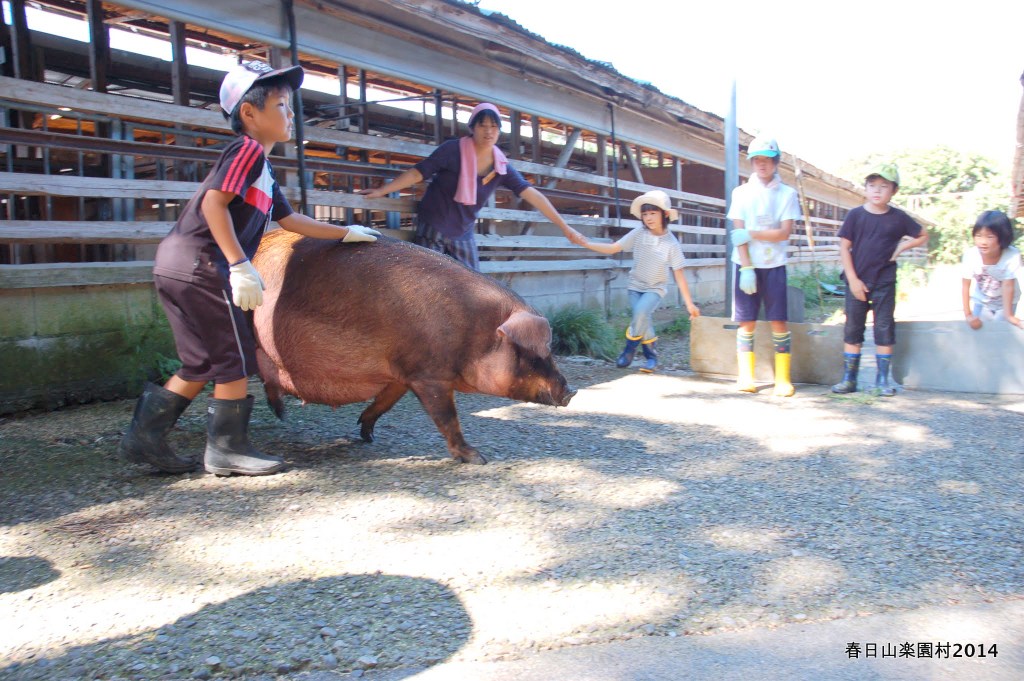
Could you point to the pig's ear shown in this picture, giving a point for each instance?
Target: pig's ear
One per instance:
(528, 331)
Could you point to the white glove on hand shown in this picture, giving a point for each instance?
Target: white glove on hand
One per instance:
(748, 280)
(360, 233)
(739, 237)
(246, 286)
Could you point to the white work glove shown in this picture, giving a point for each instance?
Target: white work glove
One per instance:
(360, 233)
(739, 237)
(748, 280)
(246, 286)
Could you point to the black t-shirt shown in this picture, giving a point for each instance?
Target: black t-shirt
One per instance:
(189, 252)
(874, 238)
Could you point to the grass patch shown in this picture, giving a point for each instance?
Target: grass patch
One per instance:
(861, 397)
(579, 331)
(819, 305)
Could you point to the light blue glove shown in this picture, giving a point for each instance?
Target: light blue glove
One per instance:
(748, 280)
(360, 233)
(739, 236)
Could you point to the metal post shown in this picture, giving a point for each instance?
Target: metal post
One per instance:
(732, 153)
(615, 168)
(300, 150)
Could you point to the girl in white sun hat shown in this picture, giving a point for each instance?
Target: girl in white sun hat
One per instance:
(655, 251)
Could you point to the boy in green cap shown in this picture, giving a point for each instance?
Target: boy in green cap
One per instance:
(870, 240)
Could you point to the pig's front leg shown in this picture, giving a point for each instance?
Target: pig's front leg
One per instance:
(438, 399)
(384, 400)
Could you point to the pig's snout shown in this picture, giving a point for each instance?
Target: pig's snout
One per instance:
(549, 398)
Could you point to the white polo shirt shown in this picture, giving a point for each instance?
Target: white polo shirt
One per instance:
(764, 207)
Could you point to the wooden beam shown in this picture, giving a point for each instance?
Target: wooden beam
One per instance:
(75, 274)
(21, 43)
(179, 65)
(535, 156)
(515, 139)
(634, 164)
(565, 154)
(99, 45)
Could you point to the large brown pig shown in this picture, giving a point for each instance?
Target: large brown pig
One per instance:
(343, 323)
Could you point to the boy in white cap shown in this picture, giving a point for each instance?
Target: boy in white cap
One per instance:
(655, 250)
(762, 212)
(206, 283)
(870, 240)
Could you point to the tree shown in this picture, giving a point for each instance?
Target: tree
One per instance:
(943, 185)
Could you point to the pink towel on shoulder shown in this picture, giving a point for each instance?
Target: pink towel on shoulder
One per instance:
(466, 191)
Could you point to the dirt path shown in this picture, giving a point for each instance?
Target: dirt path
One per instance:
(658, 505)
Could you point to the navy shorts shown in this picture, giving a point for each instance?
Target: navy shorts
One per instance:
(213, 336)
(881, 300)
(462, 249)
(771, 290)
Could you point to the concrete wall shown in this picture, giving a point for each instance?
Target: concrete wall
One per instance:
(606, 289)
(950, 356)
(66, 345)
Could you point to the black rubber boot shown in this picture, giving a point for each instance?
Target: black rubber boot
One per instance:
(651, 355)
(156, 412)
(851, 367)
(227, 441)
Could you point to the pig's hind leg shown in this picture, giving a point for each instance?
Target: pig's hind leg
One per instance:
(439, 401)
(381, 404)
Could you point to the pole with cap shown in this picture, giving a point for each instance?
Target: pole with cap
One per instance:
(732, 171)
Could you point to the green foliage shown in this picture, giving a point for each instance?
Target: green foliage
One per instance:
(815, 299)
(910, 276)
(677, 327)
(579, 331)
(166, 366)
(946, 186)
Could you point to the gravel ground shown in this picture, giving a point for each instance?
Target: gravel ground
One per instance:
(662, 505)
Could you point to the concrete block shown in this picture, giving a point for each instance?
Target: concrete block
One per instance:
(950, 356)
(817, 350)
(17, 314)
(73, 310)
(141, 305)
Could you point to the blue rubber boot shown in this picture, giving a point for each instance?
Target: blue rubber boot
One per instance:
(882, 385)
(650, 349)
(851, 367)
(626, 358)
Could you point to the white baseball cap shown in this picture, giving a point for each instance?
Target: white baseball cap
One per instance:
(763, 146)
(240, 79)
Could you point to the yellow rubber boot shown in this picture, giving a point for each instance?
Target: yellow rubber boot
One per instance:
(783, 386)
(745, 372)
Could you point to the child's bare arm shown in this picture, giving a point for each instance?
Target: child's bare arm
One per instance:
(857, 287)
(972, 321)
(1009, 289)
(607, 249)
(684, 289)
(905, 245)
(215, 211)
(780, 233)
(307, 226)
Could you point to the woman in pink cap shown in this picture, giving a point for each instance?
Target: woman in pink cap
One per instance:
(465, 174)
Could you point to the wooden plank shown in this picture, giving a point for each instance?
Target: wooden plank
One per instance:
(513, 266)
(98, 232)
(75, 274)
(528, 241)
(100, 187)
(45, 94)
